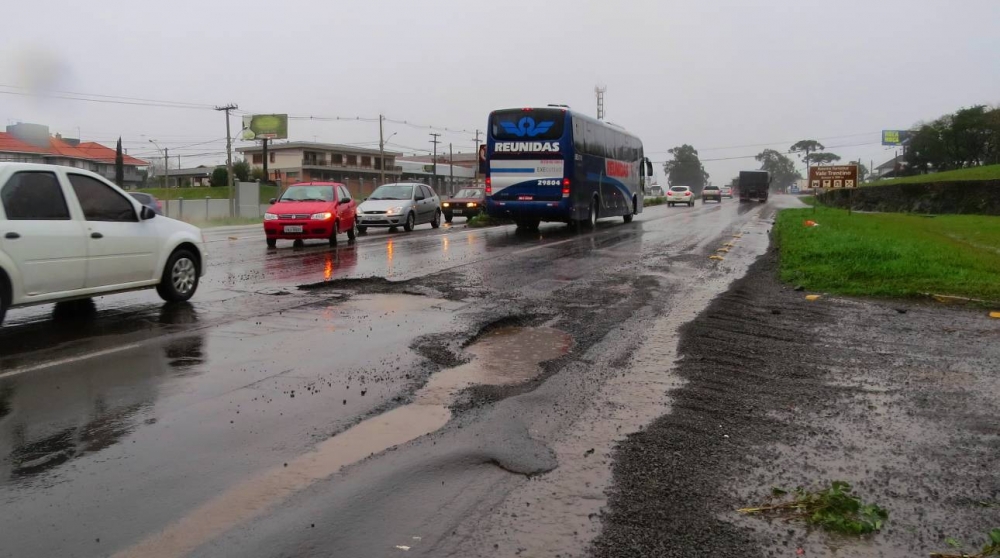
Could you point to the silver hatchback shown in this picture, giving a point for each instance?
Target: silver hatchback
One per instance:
(402, 204)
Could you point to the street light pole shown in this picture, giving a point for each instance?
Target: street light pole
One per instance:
(381, 151)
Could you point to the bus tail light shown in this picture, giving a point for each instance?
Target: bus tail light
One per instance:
(489, 186)
(565, 188)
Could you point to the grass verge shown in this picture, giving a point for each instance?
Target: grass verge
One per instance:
(890, 254)
(649, 202)
(989, 172)
(200, 193)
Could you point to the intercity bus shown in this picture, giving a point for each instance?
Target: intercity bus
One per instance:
(553, 164)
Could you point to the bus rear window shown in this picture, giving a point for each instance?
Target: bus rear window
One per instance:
(538, 124)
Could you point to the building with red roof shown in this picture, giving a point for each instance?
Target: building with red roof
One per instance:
(32, 143)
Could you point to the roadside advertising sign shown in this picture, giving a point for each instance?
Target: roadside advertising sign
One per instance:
(895, 137)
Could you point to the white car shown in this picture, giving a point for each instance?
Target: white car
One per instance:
(680, 194)
(67, 234)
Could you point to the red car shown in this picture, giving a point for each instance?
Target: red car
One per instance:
(311, 210)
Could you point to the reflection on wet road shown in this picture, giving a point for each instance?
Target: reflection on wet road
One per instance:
(130, 426)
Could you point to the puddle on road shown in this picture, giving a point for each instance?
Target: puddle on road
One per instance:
(504, 356)
(508, 355)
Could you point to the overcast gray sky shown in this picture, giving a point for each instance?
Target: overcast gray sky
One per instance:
(716, 75)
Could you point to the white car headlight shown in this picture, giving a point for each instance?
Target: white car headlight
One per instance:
(358, 211)
(321, 216)
(394, 210)
(270, 216)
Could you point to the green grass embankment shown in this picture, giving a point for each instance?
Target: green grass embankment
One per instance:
(989, 172)
(201, 192)
(890, 254)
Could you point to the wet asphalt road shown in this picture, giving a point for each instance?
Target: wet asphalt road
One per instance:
(255, 420)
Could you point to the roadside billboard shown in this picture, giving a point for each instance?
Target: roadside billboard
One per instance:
(265, 126)
(833, 177)
(895, 137)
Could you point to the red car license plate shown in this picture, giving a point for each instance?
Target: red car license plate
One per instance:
(525, 198)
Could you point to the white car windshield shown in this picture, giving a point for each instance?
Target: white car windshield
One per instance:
(469, 193)
(678, 188)
(393, 192)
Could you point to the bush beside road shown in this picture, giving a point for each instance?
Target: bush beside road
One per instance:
(890, 255)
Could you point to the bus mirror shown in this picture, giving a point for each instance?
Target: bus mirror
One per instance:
(649, 168)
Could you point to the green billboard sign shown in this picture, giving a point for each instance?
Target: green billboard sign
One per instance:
(265, 126)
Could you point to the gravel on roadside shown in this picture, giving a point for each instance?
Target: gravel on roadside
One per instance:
(900, 399)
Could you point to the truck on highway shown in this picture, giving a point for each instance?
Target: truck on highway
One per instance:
(754, 185)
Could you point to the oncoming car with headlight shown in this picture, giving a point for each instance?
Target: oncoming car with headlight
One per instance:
(403, 204)
(311, 210)
(467, 202)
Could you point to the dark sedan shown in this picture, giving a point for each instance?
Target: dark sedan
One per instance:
(467, 202)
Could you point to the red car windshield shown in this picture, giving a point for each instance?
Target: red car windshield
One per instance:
(308, 193)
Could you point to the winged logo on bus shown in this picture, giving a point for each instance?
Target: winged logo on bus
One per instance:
(527, 127)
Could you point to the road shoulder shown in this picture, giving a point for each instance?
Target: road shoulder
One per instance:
(900, 400)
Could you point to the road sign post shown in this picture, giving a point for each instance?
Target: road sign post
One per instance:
(835, 177)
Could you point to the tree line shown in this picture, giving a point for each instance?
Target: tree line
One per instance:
(685, 168)
(969, 137)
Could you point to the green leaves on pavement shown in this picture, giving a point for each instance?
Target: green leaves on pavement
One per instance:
(834, 508)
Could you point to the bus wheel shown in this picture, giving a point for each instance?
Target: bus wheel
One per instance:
(592, 219)
(635, 209)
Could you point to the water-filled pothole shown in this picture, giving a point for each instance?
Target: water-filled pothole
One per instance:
(504, 356)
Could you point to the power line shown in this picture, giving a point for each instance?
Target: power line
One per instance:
(105, 99)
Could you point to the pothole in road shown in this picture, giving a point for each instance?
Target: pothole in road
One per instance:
(503, 356)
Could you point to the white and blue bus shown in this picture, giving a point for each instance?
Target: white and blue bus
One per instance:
(553, 164)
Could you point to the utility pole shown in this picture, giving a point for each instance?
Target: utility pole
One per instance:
(476, 181)
(451, 171)
(599, 91)
(229, 158)
(267, 176)
(381, 151)
(166, 167)
(434, 160)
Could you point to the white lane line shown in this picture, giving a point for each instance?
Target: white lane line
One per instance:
(68, 360)
(549, 245)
